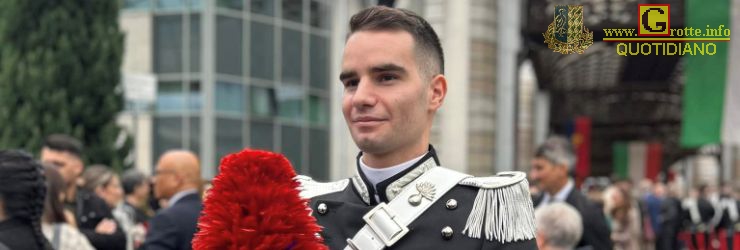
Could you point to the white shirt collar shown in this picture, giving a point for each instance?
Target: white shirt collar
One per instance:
(377, 175)
(175, 198)
(561, 195)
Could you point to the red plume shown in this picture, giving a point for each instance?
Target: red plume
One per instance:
(254, 204)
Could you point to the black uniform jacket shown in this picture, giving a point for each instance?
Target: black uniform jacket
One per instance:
(343, 204)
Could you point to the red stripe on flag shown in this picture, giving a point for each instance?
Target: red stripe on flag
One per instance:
(582, 142)
(654, 161)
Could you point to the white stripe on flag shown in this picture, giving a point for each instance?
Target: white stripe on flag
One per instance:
(637, 159)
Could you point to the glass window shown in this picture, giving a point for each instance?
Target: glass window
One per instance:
(230, 97)
(229, 45)
(195, 43)
(194, 136)
(195, 100)
(290, 102)
(318, 110)
(261, 135)
(291, 142)
(167, 135)
(170, 4)
(170, 96)
(319, 57)
(231, 4)
(318, 154)
(262, 51)
(136, 4)
(168, 43)
(263, 101)
(228, 137)
(319, 15)
(264, 7)
(293, 10)
(292, 56)
(196, 4)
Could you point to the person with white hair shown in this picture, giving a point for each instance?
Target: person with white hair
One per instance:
(552, 167)
(559, 226)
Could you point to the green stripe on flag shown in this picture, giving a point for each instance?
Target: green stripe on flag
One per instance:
(620, 160)
(704, 92)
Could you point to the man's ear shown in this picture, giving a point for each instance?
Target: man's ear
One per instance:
(437, 91)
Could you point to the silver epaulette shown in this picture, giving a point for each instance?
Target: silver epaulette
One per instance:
(310, 188)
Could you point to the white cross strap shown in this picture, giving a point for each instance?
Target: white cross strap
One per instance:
(388, 223)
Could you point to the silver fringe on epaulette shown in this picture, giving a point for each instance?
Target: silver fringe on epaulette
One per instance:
(505, 214)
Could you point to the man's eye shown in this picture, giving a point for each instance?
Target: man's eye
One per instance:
(385, 78)
(350, 83)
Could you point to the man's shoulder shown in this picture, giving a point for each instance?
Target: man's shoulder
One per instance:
(310, 188)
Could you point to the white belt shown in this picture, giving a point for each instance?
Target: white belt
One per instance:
(388, 223)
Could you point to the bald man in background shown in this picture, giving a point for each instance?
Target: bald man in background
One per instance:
(177, 179)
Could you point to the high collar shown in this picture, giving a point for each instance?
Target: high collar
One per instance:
(389, 188)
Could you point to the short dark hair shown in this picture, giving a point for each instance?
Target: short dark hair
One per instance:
(131, 179)
(64, 143)
(426, 40)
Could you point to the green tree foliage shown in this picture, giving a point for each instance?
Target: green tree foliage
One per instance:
(59, 73)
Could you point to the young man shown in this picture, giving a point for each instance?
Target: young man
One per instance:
(92, 215)
(392, 72)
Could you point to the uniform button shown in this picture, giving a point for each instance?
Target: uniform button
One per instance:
(92, 215)
(322, 208)
(451, 204)
(447, 233)
(415, 200)
(83, 219)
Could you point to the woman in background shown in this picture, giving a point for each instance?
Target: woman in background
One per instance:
(54, 223)
(100, 183)
(22, 193)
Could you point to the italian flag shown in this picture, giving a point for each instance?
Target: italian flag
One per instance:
(711, 98)
(638, 160)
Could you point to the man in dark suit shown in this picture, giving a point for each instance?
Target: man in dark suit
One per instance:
(551, 168)
(177, 179)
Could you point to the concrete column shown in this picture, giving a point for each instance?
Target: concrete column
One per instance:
(508, 48)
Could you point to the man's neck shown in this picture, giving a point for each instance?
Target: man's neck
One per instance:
(395, 157)
(560, 185)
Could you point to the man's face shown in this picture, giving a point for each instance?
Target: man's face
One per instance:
(387, 104)
(546, 174)
(69, 165)
(166, 181)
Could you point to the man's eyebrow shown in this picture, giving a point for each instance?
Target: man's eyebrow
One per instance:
(346, 75)
(387, 67)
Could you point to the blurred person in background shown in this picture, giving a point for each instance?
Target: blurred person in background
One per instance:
(133, 211)
(178, 180)
(651, 205)
(623, 220)
(100, 193)
(559, 226)
(554, 161)
(22, 194)
(670, 218)
(65, 153)
(60, 234)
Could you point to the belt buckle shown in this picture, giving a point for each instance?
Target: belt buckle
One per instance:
(385, 224)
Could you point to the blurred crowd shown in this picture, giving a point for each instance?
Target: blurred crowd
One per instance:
(55, 202)
(617, 214)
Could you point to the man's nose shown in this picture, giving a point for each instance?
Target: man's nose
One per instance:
(364, 95)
